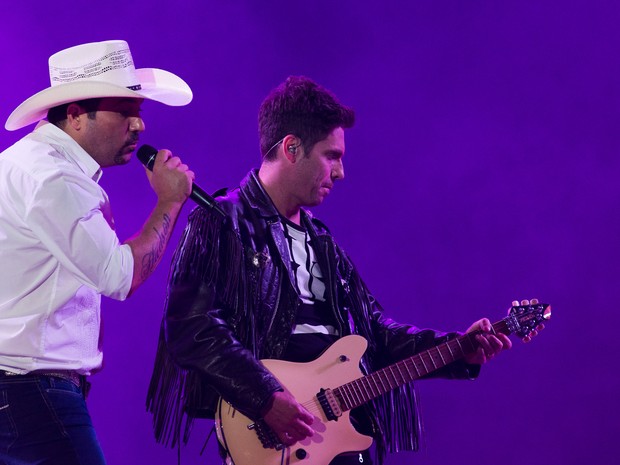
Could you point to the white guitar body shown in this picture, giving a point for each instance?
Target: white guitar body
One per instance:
(338, 365)
(335, 370)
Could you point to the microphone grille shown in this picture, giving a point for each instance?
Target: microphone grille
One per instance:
(146, 154)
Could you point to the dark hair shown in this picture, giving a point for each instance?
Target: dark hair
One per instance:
(301, 107)
(58, 115)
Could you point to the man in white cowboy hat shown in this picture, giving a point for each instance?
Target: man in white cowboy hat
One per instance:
(58, 248)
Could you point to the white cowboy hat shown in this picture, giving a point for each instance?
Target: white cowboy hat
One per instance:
(99, 69)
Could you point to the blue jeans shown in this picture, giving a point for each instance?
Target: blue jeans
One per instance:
(44, 421)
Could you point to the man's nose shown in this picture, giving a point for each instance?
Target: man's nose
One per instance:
(136, 124)
(338, 170)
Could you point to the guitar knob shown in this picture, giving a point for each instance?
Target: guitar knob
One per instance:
(301, 454)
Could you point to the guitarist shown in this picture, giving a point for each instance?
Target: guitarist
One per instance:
(269, 281)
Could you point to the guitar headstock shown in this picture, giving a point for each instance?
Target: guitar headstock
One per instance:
(524, 319)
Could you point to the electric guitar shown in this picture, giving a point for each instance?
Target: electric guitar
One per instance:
(330, 386)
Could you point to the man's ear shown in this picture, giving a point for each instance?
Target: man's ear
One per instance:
(75, 114)
(291, 146)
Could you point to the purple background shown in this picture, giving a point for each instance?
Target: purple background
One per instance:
(483, 168)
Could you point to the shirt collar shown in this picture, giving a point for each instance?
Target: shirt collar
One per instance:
(66, 145)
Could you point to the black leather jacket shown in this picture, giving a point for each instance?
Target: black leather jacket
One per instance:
(232, 301)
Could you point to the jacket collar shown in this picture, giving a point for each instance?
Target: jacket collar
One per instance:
(260, 201)
(257, 197)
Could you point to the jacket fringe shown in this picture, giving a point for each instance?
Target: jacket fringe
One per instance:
(206, 247)
(165, 398)
(397, 412)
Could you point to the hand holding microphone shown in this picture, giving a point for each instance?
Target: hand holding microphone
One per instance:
(149, 156)
(169, 177)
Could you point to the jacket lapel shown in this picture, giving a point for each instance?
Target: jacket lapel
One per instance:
(263, 206)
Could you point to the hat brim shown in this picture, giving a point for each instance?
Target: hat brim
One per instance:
(156, 84)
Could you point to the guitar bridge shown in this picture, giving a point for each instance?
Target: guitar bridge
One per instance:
(329, 404)
(265, 434)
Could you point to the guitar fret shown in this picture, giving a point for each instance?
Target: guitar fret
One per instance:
(430, 356)
(379, 374)
(397, 374)
(338, 395)
(361, 390)
(373, 377)
(358, 393)
(425, 368)
(384, 380)
(364, 383)
(346, 396)
(400, 372)
(420, 366)
(411, 377)
(441, 356)
(450, 349)
(415, 367)
(353, 393)
(386, 377)
(458, 341)
(393, 377)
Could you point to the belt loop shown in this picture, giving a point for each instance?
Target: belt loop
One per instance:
(85, 385)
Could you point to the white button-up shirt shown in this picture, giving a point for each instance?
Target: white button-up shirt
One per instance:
(58, 254)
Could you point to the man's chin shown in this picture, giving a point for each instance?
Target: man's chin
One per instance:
(315, 202)
(122, 158)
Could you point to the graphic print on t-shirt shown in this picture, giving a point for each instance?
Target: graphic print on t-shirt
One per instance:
(315, 324)
(310, 282)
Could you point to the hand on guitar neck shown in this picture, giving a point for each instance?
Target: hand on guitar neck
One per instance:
(492, 343)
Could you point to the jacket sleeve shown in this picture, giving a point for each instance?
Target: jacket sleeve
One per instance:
(393, 341)
(398, 341)
(198, 332)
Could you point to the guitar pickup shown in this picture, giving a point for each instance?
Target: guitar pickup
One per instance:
(329, 404)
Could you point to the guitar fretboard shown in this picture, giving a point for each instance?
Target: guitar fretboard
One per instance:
(361, 390)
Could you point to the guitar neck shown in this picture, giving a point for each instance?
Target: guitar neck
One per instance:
(366, 388)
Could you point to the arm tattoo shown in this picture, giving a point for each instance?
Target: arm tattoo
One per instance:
(151, 259)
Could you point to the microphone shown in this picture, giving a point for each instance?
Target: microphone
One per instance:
(147, 153)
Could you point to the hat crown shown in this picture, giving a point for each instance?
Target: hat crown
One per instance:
(109, 61)
(99, 70)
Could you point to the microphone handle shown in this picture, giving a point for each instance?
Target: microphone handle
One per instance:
(205, 200)
(146, 154)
